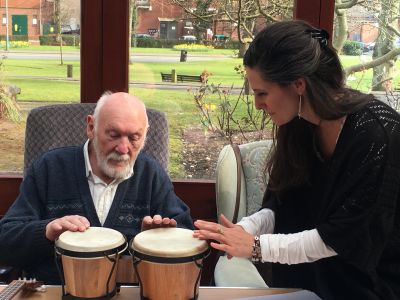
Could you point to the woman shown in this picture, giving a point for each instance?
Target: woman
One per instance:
(330, 220)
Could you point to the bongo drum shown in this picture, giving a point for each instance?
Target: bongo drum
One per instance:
(168, 263)
(89, 261)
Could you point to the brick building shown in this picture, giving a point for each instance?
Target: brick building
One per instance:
(161, 19)
(35, 17)
(24, 17)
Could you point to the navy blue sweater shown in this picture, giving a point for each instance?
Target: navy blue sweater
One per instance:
(56, 186)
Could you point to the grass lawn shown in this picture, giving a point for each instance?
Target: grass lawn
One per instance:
(181, 113)
(47, 91)
(30, 76)
(37, 48)
(222, 70)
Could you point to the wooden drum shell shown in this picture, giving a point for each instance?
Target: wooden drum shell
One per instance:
(89, 261)
(168, 263)
(87, 277)
(161, 281)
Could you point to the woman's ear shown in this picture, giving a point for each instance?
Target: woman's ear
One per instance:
(300, 86)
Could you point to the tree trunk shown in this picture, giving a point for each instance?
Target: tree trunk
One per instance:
(132, 27)
(58, 28)
(381, 80)
(341, 28)
(242, 49)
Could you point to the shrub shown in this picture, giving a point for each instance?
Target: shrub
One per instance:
(352, 48)
(193, 47)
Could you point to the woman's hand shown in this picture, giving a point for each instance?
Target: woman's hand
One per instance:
(233, 239)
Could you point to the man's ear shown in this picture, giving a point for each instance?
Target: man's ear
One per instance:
(300, 86)
(90, 127)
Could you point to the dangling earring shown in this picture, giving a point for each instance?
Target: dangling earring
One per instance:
(299, 112)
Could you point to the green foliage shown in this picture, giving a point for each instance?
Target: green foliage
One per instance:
(8, 107)
(14, 38)
(161, 43)
(224, 112)
(68, 40)
(353, 48)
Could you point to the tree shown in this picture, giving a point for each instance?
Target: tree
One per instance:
(57, 22)
(243, 15)
(385, 52)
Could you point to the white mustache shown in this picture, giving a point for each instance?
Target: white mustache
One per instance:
(118, 157)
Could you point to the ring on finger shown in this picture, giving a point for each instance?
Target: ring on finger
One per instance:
(221, 230)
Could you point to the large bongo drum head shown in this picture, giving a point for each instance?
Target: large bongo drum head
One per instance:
(89, 260)
(168, 262)
(93, 242)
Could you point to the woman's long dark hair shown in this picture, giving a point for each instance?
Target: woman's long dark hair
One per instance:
(284, 52)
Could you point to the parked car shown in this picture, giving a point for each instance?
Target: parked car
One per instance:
(368, 47)
(143, 36)
(189, 38)
(67, 29)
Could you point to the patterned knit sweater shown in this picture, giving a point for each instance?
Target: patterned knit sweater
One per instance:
(56, 185)
(352, 199)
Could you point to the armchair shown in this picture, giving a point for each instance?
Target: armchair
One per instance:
(53, 126)
(240, 186)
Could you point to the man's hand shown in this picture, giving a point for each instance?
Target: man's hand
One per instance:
(71, 223)
(156, 222)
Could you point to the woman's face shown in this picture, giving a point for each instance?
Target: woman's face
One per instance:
(281, 103)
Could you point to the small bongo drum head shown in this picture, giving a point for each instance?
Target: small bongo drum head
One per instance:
(92, 240)
(168, 242)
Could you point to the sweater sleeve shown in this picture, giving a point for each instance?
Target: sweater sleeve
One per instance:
(22, 231)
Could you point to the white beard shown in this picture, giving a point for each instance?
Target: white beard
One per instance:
(109, 170)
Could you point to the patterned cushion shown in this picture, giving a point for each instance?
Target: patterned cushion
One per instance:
(54, 126)
(254, 180)
(254, 156)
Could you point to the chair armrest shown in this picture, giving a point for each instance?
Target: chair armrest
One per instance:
(237, 272)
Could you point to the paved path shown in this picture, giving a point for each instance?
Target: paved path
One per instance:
(146, 85)
(135, 57)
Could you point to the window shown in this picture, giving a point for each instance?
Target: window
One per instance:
(4, 20)
(370, 31)
(195, 141)
(35, 81)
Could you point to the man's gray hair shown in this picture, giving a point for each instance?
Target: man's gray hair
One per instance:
(100, 104)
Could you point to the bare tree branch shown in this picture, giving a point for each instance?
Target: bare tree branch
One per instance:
(376, 62)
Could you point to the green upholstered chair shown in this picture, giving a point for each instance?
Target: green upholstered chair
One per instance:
(240, 186)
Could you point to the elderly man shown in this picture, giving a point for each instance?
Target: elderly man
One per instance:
(106, 182)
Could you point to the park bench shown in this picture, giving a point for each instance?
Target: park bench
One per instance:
(181, 78)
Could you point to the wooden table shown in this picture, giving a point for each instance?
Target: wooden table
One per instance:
(133, 293)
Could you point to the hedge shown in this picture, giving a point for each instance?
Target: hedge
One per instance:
(161, 43)
(68, 40)
(14, 38)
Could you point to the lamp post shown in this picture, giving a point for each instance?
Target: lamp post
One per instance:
(40, 18)
(7, 37)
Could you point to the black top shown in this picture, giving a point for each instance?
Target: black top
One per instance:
(352, 200)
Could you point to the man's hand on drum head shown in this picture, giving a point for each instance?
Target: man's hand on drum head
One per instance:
(156, 222)
(71, 223)
(231, 238)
